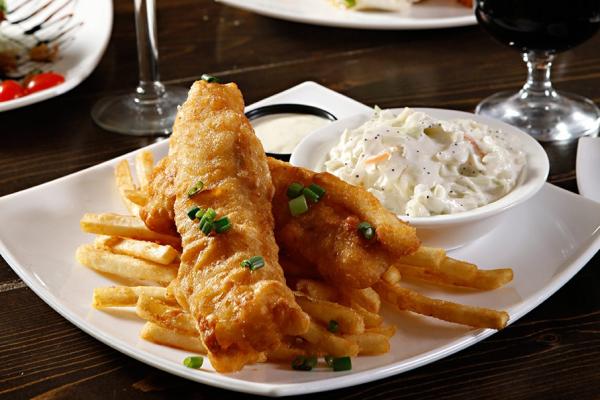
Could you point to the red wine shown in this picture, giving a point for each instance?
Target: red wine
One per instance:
(547, 25)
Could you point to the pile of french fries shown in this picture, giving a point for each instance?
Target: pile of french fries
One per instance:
(344, 321)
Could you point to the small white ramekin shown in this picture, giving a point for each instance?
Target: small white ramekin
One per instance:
(446, 231)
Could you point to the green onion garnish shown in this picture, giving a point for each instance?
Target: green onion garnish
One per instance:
(294, 190)
(193, 362)
(333, 326)
(341, 364)
(207, 227)
(192, 212)
(222, 225)
(208, 216)
(196, 188)
(210, 79)
(253, 263)
(366, 229)
(200, 213)
(312, 196)
(298, 205)
(303, 363)
(350, 3)
(317, 189)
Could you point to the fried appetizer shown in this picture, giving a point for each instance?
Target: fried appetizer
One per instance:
(328, 235)
(230, 279)
(159, 213)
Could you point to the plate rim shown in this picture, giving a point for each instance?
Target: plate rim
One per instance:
(403, 24)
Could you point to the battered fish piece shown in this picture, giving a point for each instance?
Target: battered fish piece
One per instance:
(327, 235)
(240, 313)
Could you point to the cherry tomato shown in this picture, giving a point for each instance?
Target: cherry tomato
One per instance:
(43, 81)
(10, 89)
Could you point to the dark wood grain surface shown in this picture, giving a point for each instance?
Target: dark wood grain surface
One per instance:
(551, 353)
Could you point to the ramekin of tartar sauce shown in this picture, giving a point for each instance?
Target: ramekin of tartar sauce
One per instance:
(448, 173)
(280, 127)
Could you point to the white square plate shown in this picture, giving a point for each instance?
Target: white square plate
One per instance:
(546, 241)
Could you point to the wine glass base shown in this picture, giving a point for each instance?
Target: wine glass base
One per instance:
(126, 115)
(557, 117)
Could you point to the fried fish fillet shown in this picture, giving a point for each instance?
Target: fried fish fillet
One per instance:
(327, 235)
(159, 211)
(240, 313)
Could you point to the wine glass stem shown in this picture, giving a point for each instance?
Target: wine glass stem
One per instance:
(149, 87)
(538, 75)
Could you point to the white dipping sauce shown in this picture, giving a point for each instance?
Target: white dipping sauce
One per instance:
(281, 133)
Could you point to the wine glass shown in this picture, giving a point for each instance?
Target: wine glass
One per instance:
(539, 29)
(151, 109)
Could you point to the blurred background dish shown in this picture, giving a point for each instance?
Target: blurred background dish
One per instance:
(431, 14)
(67, 37)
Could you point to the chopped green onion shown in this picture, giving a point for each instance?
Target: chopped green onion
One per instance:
(294, 190)
(207, 227)
(366, 229)
(298, 205)
(333, 326)
(350, 3)
(341, 364)
(253, 263)
(222, 225)
(317, 189)
(210, 79)
(257, 262)
(200, 213)
(193, 362)
(312, 196)
(328, 361)
(192, 212)
(209, 216)
(196, 188)
(304, 363)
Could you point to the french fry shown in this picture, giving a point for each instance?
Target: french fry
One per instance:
(124, 226)
(170, 317)
(349, 321)
(160, 254)
(371, 319)
(406, 299)
(124, 266)
(478, 279)
(386, 330)
(316, 290)
(167, 337)
(370, 343)
(136, 196)
(392, 275)
(125, 296)
(367, 298)
(144, 162)
(424, 257)
(125, 182)
(322, 342)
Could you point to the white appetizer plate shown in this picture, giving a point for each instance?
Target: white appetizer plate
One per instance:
(92, 22)
(430, 14)
(546, 241)
(587, 167)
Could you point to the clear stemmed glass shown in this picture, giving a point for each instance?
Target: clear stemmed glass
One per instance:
(151, 109)
(539, 29)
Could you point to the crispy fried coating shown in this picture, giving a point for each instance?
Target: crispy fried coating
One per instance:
(240, 313)
(327, 234)
(158, 213)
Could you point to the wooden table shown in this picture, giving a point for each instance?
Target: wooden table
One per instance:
(551, 353)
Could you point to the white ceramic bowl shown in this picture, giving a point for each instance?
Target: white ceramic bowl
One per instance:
(447, 231)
